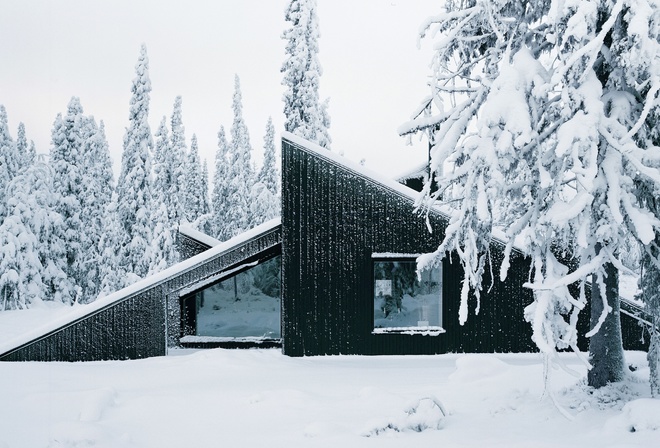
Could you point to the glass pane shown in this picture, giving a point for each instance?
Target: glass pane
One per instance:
(401, 299)
(245, 305)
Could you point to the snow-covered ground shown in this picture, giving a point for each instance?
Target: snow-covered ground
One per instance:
(256, 398)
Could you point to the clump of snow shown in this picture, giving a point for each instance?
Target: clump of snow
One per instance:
(425, 413)
(638, 415)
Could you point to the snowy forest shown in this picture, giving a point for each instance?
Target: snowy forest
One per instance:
(70, 234)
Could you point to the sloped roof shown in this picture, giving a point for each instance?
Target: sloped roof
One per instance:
(78, 312)
(196, 235)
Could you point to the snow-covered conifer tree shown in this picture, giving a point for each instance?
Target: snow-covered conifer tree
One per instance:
(265, 201)
(241, 176)
(67, 159)
(165, 197)
(305, 115)
(268, 174)
(538, 113)
(33, 252)
(176, 157)
(204, 223)
(7, 158)
(98, 185)
(133, 205)
(20, 267)
(220, 192)
(25, 158)
(192, 187)
(206, 208)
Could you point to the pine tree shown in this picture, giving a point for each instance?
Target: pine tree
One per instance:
(66, 158)
(192, 187)
(220, 193)
(241, 176)
(165, 198)
(133, 207)
(22, 149)
(206, 208)
(98, 185)
(264, 199)
(204, 222)
(7, 159)
(543, 130)
(305, 115)
(268, 174)
(20, 267)
(176, 157)
(32, 255)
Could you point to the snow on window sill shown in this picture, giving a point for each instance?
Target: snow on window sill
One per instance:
(425, 331)
(206, 339)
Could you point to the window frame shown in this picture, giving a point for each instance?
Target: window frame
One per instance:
(188, 316)
(384, 257)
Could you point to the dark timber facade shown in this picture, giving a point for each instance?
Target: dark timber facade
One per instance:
(339, 226)
(334, 218)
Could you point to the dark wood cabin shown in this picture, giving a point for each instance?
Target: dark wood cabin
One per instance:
(337, 275)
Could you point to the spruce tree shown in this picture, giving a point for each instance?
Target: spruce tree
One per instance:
(176, 157)
(133, 206)
(539, 117)
(305, 115)
(221, 188)
(20, 266)
(166, 204)
(66, 158)
(241, 176)
(22, 149)
(268, 175)
(7, 159)
(98, 185)
(33, 253)
(264, 199)
(192, 187)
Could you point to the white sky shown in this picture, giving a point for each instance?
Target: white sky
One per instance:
(373, 72)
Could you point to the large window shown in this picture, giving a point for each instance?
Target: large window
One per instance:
(246, 305)
(405, 301)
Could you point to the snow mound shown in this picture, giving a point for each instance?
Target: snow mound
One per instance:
(638, 415)
(426, 413)
(471, 368)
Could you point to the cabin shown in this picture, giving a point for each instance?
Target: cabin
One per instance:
(335, 274)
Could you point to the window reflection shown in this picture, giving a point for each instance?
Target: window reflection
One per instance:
(246, 305)
(404, 300)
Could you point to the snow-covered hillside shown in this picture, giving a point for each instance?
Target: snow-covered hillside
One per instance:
(257, 398)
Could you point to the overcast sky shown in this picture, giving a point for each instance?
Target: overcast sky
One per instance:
(374, 73)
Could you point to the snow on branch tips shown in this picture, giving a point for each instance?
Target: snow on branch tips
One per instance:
(545, 114)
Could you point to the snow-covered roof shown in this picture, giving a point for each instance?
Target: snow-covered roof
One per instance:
(417, 172)
(80, 311)
(196, 235)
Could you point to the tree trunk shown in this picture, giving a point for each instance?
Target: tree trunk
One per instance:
(606, 346)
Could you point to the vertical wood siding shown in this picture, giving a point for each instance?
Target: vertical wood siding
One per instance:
(333, 219)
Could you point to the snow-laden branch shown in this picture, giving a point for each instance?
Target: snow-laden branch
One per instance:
(591, 48)
(582, 272)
